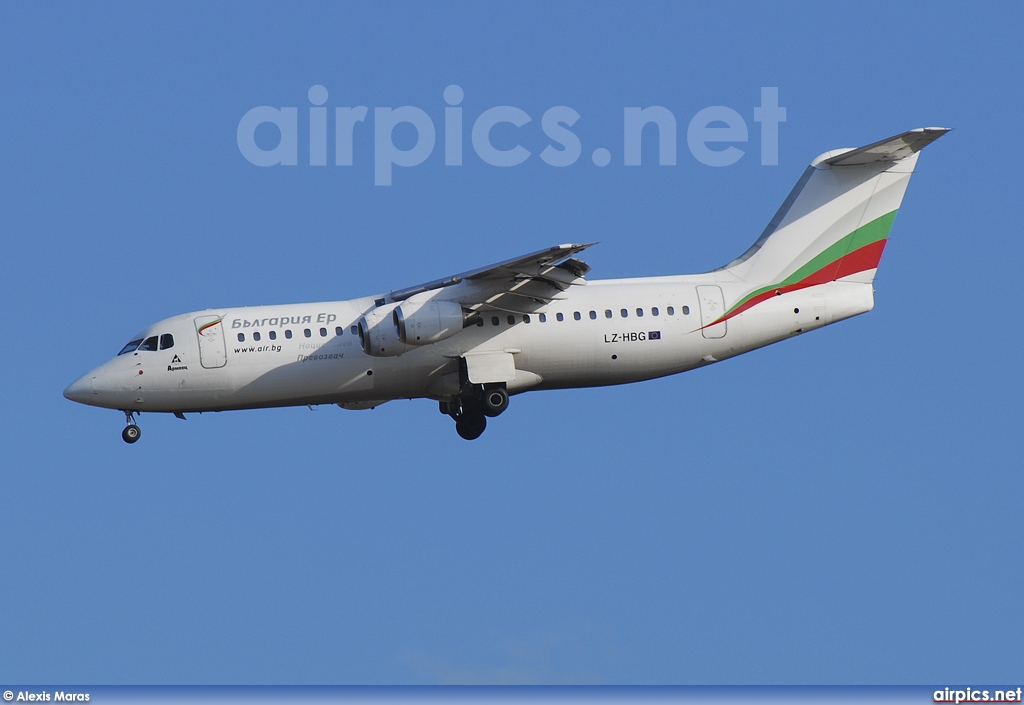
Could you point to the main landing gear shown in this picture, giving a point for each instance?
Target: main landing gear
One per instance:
(473, 407)
(131, 432)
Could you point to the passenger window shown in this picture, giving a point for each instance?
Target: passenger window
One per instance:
(338, 330)
(639, 313)
(241, 337)
(511, 320)
(559, 316)
(131, 347)
(654, 311)
(273, 335)
(355, 330)
(625, 313)
(607, 313)
(686, 310)
(526, 318)
(166, 341)
(288, 334)
(479, 323)
(576, 315)
(671, 311)
(323, 332)
(256, 336)
(593, 315)
(148, 345)
(306, 332)
(543, 318)
(495, 321)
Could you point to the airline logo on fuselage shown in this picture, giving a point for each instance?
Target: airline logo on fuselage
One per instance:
(211, 324)
(281, 321)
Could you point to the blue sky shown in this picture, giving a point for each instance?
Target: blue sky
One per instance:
(839, 508)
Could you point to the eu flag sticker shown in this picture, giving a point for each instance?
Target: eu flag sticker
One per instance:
(654, 335)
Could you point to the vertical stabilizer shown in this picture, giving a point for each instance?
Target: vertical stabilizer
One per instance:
(835, 222)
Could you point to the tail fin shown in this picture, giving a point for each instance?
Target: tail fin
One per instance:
(834, 224)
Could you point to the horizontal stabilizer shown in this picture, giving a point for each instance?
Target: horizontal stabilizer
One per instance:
(892, 149)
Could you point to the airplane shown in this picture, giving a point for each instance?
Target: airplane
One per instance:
(470, 340)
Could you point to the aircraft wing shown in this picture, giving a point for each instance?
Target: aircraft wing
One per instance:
(518, 285)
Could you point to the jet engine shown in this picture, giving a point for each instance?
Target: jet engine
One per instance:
(378, 334)
(423, 323)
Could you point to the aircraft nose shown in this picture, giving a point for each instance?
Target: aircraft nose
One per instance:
(80, 390)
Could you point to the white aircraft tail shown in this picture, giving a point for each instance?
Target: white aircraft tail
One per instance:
(834, 224)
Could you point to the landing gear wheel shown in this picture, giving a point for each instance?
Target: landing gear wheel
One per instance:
(131, 433)
(470, 426)
(494, 401)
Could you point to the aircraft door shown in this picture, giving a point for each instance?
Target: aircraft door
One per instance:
(212, 346)
(712, 306)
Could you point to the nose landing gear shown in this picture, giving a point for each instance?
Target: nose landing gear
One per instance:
(131, 432)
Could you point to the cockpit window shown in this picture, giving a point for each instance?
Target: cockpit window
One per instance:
(148, 345)
(166, 341)
(130, 347)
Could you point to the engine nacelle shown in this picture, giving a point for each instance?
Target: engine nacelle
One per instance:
(423, 323)
(378, 334)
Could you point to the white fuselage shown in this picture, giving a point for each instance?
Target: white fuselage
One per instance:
(606, 332)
